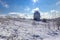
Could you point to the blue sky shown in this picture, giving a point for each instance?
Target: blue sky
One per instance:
(27, 6)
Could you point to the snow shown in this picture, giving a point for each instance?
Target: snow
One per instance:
(26, 29)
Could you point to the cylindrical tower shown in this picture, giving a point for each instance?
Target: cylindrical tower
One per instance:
(37, 16)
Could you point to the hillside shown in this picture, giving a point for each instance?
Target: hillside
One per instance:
(26, 29)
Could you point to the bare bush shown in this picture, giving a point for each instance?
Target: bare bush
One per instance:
(58, 24)
(44, 20)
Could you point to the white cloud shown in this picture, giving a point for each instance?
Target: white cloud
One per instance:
(51, 14)
(12, 13)
(35, 9)
(55, 13)
(4, 4)
(29, 16)
(58, 3)
(27, 9)
(22, 15)
(17, 13)
(45, 15)
(35, 1)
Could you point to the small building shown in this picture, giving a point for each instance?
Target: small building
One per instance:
(36, 16)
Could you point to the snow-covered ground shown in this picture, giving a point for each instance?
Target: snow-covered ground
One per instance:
(25, 29)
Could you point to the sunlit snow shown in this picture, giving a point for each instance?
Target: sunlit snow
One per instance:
(27, 29)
